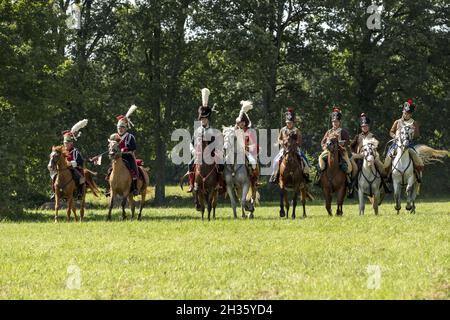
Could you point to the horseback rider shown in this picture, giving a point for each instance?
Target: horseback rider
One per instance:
(203, 133)
(127, 145)
(74, 158)
(343, 138)
(357, 158)
(250, 145)
(405, 120)
(284, 134)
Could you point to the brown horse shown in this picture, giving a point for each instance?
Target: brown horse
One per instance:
(291, 178)
(65, 186)
(206, 187)
(333, 179)
(120, 182)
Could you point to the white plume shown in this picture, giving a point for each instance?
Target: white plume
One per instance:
(131, 110)
(78, 126)
(205, 96)
(247, 105)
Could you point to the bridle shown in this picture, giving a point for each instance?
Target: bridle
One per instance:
(404, 131)
(369, 150)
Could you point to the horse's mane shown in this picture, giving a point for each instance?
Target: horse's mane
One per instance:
(371, 141)
(60, 149)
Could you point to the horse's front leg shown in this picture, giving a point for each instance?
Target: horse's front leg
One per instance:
(303, 199)
(286, 203)
(74, 208)
(397, 195)
(282, 213)
(362, 202)
(409, 192)
(376, 199)
(245, 189)
(124, 202)
(111, 203)
(56, 206)
(83, 203)
(69, 206)
(132, 205)
(327, 194)
(143, 194)
(294, 203)
(209, 204)
(340, 201)
(232, 195)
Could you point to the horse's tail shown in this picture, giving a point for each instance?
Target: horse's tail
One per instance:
(430, 155)
(88, 175)
(309, 195)
(182, 179)
(257, 194)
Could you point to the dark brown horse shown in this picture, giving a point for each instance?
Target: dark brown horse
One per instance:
(333, 179)
(206, 186)
(65, 186)
(291, 178)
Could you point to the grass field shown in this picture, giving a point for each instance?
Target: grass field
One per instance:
(172, 254)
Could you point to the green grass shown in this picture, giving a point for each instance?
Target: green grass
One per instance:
(172, 254)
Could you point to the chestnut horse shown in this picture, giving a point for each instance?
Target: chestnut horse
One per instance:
(206, 186)
(65, 186)
(333, 179)
(120, 182)
(291, 178)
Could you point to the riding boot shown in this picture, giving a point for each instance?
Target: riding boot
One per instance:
(191, 178)
(134, 188)
(80, 192)
(52, 195)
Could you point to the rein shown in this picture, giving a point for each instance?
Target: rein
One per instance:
(205, 177)
(370, 182)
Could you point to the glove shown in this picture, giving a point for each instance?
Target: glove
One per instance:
(73, 163)
(124, 149)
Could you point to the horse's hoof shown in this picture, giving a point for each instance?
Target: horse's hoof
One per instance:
(282, 214)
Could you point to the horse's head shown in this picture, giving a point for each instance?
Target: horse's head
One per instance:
(332, 143)
(228, 137)
(369, 150)
(113, 147)
(405, 137)
(58, 153)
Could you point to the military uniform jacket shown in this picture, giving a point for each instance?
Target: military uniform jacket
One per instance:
(74, 155)
(284, 135)
(357, 142)
(398, 124)
(342, 134)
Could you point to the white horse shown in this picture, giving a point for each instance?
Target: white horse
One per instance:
(403, 171)
(369, 179)
(237, 177)
(403, 168)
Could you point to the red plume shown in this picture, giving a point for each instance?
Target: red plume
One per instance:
(290, 109)
(120, 117)
(410, 101)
